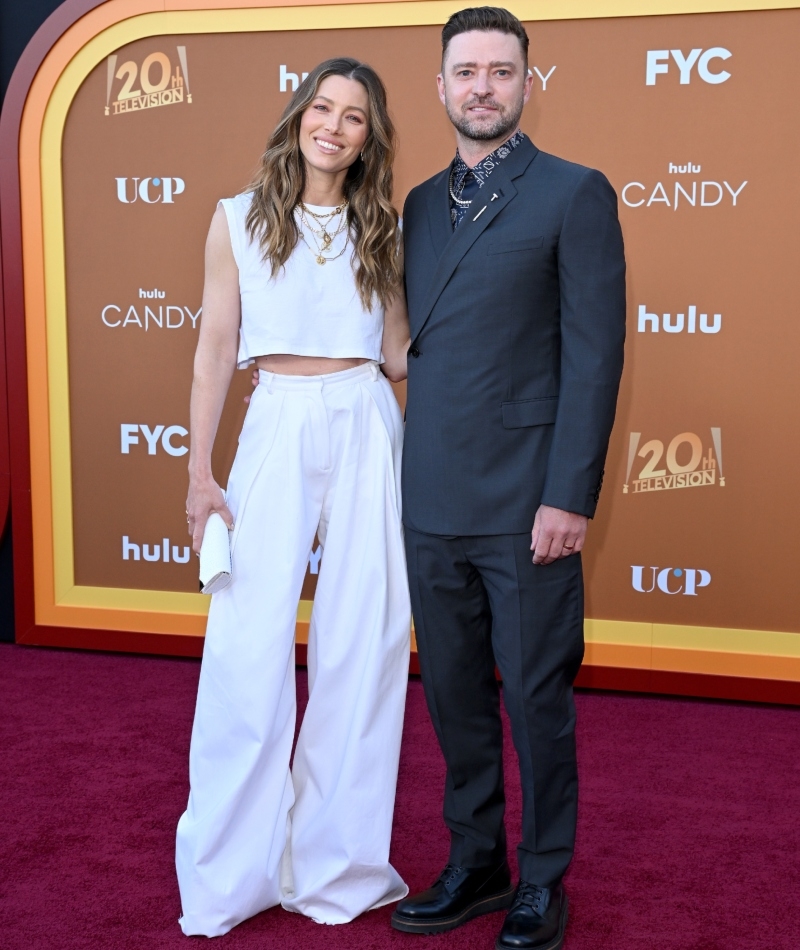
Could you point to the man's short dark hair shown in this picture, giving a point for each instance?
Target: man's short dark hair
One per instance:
(485, 20)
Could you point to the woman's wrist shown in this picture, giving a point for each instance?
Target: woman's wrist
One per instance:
(200, 473)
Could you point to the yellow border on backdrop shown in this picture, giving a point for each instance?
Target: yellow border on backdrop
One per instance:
(762, 654)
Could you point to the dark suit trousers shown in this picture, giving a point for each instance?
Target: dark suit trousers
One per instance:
(478, 601)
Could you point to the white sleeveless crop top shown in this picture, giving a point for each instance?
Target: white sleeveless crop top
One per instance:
(307, 309)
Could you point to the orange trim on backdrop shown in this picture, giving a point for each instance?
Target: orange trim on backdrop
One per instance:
(618, 655)
(625, 656)
(719, 663)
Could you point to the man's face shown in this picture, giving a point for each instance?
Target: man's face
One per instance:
(484, 84)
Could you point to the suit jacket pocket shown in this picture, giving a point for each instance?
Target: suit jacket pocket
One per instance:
(523, 244)
(529, 412)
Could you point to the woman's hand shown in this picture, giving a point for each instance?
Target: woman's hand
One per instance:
(254, 381)
(205, 496)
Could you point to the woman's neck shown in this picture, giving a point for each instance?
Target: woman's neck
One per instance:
(323, 190)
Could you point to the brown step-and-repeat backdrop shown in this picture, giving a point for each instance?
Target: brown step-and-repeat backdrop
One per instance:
(692, 559)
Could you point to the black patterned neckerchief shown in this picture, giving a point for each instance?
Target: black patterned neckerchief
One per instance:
(465, 182)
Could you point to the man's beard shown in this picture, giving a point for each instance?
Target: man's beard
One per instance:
(478, 129)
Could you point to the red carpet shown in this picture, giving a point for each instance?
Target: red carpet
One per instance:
(689, 834)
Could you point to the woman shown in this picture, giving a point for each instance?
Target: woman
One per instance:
(305, 269)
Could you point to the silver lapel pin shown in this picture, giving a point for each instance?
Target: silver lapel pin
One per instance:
(480, 212)
(493, 197)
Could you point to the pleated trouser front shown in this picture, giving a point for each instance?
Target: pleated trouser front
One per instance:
(316, 455)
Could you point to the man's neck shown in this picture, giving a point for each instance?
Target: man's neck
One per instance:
(473, 151)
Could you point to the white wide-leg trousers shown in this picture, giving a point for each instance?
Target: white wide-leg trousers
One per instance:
(316, 454)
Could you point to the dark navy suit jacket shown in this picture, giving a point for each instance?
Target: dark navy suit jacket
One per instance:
(517, 332)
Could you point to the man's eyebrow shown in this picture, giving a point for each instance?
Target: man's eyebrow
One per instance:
(347, 108)
(493, 65)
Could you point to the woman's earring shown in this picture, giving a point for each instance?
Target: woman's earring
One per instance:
(362, 156)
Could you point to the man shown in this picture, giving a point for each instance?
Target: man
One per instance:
(515, 279)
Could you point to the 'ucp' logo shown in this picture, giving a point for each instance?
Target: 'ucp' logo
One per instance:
(150, 190)
(658, 62)
(670, 580)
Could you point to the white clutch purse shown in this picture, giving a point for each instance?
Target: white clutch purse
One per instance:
(215, 556)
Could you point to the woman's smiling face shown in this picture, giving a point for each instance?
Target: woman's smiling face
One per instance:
(335, 126)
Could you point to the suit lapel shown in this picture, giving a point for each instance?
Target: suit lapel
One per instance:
(439, 212)
(497, 192)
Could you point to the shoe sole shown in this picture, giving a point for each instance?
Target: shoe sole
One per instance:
(499, 901)
(558, 941)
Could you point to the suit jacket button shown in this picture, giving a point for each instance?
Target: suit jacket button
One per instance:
(413, 351)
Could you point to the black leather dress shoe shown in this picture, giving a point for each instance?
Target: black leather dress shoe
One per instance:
(457, 896)
(537, 919)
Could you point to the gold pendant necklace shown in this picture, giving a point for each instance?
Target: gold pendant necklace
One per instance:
(326, 238)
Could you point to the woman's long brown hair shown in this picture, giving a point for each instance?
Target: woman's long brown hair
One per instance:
(278, 185)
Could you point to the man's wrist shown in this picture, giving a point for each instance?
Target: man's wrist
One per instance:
(568, 511)
(567, 505)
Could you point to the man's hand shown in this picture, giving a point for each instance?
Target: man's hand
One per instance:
(556, 534)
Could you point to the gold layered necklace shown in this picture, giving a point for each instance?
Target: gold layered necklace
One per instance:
(326, 233)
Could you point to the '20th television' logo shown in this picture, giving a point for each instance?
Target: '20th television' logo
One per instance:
(147, 85)
(686, 464)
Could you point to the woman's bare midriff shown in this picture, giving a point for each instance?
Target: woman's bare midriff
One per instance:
(285, 364)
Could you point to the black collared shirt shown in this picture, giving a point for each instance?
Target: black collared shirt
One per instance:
(466, 182)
